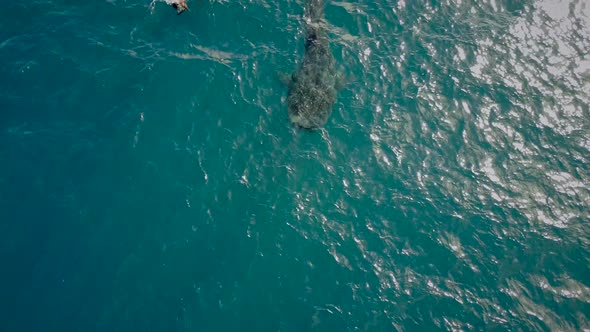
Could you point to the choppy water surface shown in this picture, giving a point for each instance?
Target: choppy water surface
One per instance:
(150, 179)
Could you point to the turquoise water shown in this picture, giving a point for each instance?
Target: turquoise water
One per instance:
(150, 180)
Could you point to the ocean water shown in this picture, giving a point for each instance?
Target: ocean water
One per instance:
(150, 179)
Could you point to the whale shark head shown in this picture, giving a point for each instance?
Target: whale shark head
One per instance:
(310, 102)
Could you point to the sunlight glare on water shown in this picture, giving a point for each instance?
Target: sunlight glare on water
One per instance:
(150, 179)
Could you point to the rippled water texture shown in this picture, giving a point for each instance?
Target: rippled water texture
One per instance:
(150, 179)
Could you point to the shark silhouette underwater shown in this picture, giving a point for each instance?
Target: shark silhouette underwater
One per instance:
(314, 86)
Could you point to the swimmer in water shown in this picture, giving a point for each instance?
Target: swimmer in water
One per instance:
(180, 6)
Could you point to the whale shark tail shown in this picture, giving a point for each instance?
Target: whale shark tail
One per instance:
(315, 10)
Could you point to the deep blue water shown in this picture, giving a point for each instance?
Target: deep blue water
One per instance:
(150, 179)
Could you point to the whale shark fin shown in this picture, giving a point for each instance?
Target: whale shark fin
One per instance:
(342, 80)
(286, 79)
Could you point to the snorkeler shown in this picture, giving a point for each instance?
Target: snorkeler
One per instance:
(180, 6)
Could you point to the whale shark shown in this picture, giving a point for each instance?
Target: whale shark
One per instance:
(313, 87)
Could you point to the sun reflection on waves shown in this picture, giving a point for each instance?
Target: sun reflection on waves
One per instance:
(452, 161)
(518, 93)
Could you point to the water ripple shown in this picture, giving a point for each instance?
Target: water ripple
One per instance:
(449, 190)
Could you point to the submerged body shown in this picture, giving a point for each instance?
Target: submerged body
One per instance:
(312, 88)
